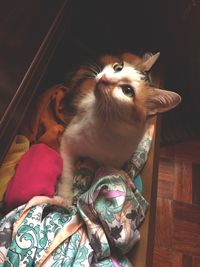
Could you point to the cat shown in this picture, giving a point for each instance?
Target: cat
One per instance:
(110, 103)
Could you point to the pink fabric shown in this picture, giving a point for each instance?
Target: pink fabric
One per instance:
(36, 174)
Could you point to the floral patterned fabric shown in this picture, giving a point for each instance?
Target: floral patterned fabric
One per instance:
(100, 228)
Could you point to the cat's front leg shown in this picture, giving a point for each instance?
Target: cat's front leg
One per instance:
(65, 184)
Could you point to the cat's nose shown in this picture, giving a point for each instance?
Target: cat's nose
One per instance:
(103, 79)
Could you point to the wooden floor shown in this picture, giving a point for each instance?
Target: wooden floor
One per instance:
(177, 241)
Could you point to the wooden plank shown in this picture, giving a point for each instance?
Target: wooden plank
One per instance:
(186, 229)
(162, 258)
(164, 224)
(187, 260)
(32, 52)
(142, 254)
(166, 168)
(23, 28)
(196, 183)
(177, 259)
(183, 181)
(165, 189)
(196, 261)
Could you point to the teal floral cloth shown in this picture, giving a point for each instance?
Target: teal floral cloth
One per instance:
(98, 230)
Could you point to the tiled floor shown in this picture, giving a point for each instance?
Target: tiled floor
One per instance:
(177, 241)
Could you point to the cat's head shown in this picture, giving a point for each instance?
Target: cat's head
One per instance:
(119, 87)
(123, 86)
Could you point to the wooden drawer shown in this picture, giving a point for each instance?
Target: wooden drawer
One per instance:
(29, 35)
(38, 41)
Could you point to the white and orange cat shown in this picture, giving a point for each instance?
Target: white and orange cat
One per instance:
(111, 104)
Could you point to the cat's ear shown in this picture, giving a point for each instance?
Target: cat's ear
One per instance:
(149, 60)
(161, 100)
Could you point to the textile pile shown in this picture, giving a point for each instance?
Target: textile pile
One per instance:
(102, 225)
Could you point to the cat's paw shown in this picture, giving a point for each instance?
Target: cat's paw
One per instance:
(66, 195)
(64, 202)
(67, 202)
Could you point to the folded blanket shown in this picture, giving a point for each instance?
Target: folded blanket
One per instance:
(98, 231)
(36, 174)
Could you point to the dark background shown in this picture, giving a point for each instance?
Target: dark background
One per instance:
(171, 27)
(94, 27)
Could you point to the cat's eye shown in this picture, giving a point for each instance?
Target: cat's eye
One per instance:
(128, 90)
(118, 66)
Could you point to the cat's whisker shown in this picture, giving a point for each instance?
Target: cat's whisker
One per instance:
(94, 68)
(89, 74)
(98, 68)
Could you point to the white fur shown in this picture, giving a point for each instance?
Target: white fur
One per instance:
(108, 141)
(128, 74)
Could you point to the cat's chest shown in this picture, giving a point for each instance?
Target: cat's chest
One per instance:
(110, 144)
